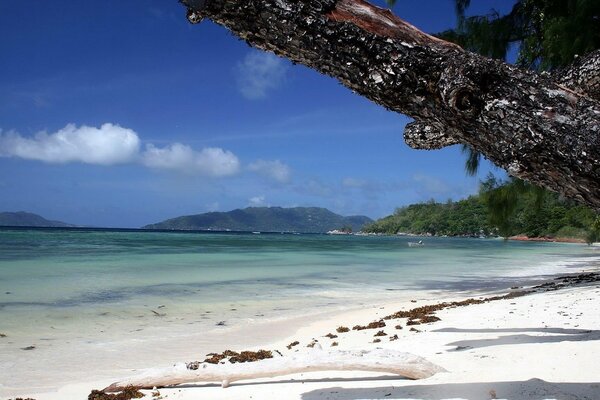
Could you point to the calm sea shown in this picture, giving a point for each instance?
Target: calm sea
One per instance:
(100, 298)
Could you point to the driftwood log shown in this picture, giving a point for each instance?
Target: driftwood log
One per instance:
(542, 128)
(387, 361)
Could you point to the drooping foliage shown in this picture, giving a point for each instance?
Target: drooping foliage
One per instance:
(549, 33)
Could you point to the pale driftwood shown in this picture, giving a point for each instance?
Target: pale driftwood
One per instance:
(388, 361)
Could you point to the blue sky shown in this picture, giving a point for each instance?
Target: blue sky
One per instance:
(122, 114)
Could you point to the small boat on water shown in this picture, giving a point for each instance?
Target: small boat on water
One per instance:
(416, 244)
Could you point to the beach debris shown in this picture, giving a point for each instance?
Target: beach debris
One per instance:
(220, 323)
(424, 314)
(376, 360)
(380, 333)
(235, 357)
(493, 394)
(342, 329)
(28, 348)
(331, 336)
(126, 393)
(333, 344)
(2, 335)
(294, 343)
(194, 365)
(161, 306)
(372, 325)
(157, 314)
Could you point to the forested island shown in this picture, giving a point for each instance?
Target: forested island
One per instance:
(499, 209)
(267, 219)
(22, 218)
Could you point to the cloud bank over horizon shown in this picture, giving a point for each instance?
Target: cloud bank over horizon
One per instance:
(111, 144)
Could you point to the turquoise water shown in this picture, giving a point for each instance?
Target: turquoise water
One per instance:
(68, 291)
(75, 270)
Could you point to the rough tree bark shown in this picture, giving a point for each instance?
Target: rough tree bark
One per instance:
(542, 128)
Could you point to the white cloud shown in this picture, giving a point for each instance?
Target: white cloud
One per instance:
(210, 161)
(110, 144)
(257, 201)
(258, 73)
(430, 186)
(275, 170)
(354, 183)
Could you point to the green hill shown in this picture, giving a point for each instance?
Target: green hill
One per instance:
(23, 218)
(266, 219)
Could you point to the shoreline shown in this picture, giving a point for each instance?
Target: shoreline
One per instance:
(526, 320)
(523, 238)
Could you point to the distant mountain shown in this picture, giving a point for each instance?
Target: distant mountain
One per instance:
(266, 219)
(23, 218)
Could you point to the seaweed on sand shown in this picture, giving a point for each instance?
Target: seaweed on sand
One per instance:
(130, 392)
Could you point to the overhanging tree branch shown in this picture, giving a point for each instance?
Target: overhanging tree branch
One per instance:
(540, 128)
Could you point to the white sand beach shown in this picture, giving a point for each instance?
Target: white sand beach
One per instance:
(539, 346)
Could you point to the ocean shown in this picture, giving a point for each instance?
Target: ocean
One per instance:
(75, 302)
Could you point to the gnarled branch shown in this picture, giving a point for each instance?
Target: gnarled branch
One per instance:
(540, 128)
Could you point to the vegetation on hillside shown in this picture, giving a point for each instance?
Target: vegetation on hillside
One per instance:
(519, 211)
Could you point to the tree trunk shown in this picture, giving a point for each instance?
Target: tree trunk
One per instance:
(541, 128)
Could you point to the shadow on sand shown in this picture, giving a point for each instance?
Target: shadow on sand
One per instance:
(552, 335)
(533, 389)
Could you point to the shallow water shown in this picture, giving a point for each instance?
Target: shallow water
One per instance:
(108, 295)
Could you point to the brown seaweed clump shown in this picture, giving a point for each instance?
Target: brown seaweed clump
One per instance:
(235, 357)
(331, 336)
(294, 343)
(342, 329)
(424, 314)
(380, 333)
(130, 392)
(372, 325)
